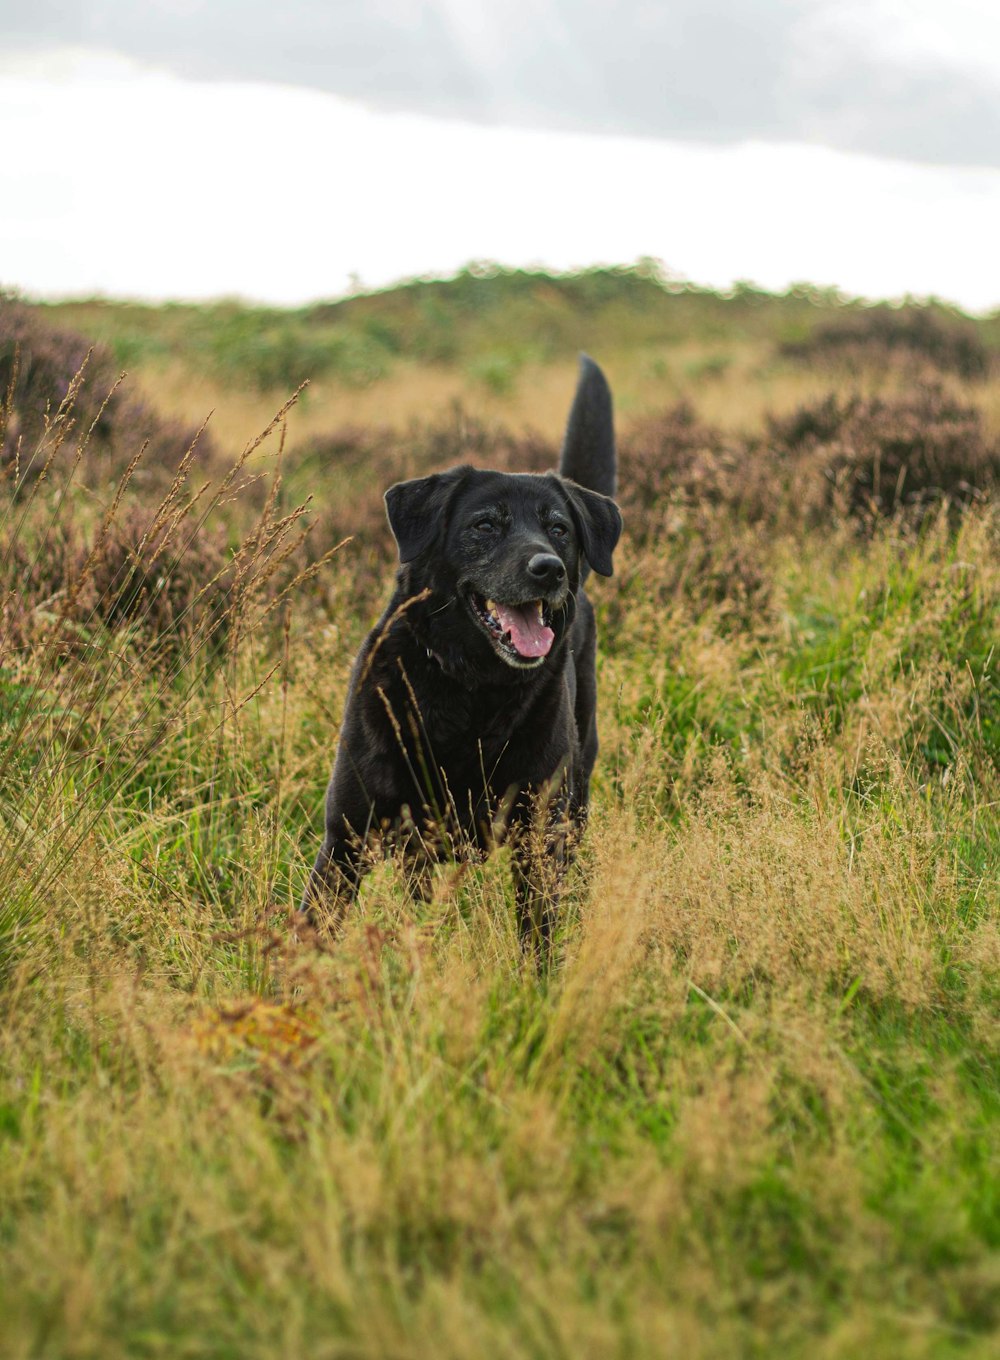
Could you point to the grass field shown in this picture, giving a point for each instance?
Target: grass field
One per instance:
(752, 1107)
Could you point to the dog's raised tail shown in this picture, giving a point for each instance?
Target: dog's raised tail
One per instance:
(588, 451)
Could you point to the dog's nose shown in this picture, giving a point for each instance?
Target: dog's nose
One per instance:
(547, 569)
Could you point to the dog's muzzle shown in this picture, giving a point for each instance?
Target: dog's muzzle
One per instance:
(521, 633)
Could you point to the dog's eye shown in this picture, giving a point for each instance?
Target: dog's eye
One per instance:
(558, 530)
(485, 525)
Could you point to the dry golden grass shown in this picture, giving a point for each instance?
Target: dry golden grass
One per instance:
(428, 392)
(750, 1108)
(736, 397)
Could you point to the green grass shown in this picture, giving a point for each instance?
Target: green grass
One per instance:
(752, 1106)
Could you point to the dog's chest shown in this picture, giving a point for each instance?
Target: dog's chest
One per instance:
(440, 738)
(464, 727)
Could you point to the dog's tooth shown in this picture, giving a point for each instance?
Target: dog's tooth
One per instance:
(491, 607)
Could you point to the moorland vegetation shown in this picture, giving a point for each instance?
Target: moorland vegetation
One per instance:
(752, 1105)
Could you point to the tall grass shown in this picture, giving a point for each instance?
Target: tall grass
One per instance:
(753, 1106)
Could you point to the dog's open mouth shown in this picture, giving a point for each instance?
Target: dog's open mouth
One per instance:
(519, 632)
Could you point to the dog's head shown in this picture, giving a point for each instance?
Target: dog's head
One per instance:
(503, 555)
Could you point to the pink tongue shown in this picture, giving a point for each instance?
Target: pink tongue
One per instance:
(527, 632)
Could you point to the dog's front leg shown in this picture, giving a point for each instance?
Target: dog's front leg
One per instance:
(537, 891)
(333, 882)
(540, 857)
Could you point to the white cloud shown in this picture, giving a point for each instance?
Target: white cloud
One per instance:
(126, 181)
(962, 34)
(910, 79)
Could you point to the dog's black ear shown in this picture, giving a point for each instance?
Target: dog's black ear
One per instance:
(416, 510)
(598, 522)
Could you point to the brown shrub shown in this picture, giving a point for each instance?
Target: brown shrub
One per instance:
(142, 576)
(72, 582)
(873, 455)
(669, 458)
(680, 482)
(842, 456)
(701, 506)
(45, 371)
(38, 364)
(878, 337)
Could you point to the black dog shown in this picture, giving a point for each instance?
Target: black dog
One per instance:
(471, 711)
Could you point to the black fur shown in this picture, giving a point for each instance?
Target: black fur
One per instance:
(456, 735)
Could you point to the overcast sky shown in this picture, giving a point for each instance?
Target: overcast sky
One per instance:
(198, 147)
(913, 79)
